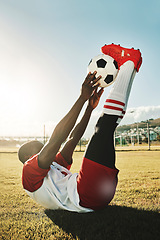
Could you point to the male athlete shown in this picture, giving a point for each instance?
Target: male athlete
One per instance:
(46, 176)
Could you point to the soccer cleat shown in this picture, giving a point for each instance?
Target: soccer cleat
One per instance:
(122, 55)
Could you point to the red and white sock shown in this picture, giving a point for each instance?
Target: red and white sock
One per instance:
(116, 103)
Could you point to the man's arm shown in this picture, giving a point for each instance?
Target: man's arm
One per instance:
(80, 128)
(65, 126)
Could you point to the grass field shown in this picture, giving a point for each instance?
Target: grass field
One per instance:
(134, 212)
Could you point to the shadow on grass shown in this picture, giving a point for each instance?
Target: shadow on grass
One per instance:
(114, 223)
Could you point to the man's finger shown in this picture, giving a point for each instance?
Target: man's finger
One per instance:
(95, 89)
(100, 92)
(90, 77)
(96, 86)
(97, 79)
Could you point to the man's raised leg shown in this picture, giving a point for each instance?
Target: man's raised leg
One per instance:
(97, 179)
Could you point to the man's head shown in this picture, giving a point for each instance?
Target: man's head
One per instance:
(28, 149)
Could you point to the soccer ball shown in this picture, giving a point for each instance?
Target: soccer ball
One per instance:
(105, 66)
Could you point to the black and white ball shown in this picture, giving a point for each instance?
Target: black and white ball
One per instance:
(105, 66)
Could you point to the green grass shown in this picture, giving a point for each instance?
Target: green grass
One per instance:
(133, 213)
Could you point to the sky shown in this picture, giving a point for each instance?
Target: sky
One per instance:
(46, 45)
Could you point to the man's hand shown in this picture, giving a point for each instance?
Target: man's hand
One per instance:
(94, 99)
(88, 85)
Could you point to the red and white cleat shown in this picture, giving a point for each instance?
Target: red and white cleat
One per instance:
(122, 55)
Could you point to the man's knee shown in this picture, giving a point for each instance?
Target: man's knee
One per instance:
(106, 123)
